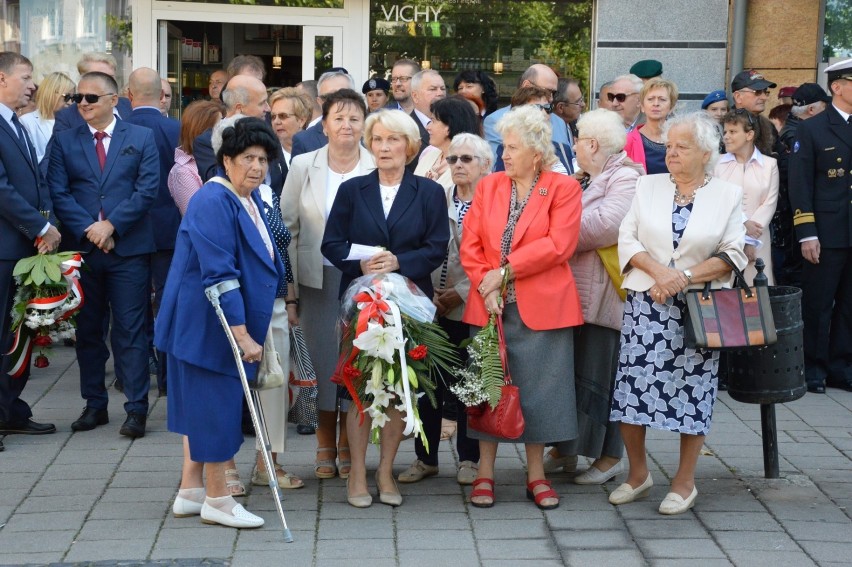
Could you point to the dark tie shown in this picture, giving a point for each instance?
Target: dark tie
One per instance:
(100, 149)
(23, 136)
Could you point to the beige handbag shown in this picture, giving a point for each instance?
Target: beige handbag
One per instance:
(269, 373)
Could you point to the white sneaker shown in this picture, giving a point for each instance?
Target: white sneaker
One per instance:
(238, 518)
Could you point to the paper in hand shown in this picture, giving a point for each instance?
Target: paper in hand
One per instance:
(362, 252)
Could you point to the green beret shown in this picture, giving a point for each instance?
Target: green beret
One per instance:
(647, 68)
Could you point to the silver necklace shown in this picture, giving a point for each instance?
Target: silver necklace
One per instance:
(682, 199)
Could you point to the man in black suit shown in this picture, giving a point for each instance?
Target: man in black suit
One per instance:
(313, 138)
(820, 178)
(146, 91)
(25, 205)
(426, 87)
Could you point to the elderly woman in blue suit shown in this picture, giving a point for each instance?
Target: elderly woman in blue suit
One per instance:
(406, 215)
(223, 241)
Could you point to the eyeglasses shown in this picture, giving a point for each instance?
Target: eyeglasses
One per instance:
(552, 93)
(761, 92)
(548, 108)
(281, 116)
(88, 97)
(747, 114)
(620, 97)
(579, 102)
(464, 158)
(400, 79)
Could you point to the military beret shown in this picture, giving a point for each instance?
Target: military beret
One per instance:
(647, 69)
(786, 91)
(715, 96)
(376, 84)
(840, 70)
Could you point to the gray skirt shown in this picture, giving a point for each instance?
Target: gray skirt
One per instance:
(319, 311)
(542, 367)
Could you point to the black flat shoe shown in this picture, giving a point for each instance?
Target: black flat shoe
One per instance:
(89, 419)
(303, 429)
(28, 427)
(134, 425)
(816, 387)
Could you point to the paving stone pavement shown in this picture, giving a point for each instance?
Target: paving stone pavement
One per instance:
(96, 498)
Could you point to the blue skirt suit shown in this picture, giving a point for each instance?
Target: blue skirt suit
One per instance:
(217, 242)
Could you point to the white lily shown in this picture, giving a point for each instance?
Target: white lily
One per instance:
(381, 398)
(378, 341)
(376, 377)
(380, 419)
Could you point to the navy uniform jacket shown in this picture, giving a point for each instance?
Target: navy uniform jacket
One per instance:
(164, 214)
(416, 230)
(217, 242)
(820, 179)
(125, 190)
(308, 140)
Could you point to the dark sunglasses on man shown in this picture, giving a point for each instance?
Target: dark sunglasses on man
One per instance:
(620, 97)
(547, 107)
(464, 158)
(80, 97)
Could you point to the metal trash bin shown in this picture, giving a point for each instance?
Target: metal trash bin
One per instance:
(774, 374)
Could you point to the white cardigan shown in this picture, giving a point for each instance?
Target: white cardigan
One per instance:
(716, 225)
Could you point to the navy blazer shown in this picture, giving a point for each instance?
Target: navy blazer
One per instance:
(569, 156)
(23, 194)
(416, 230)
(217, 241)
(205, 160)
(125, 190)
(308, 140)
(164, 214)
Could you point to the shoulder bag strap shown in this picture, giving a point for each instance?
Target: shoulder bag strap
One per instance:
(504, 358)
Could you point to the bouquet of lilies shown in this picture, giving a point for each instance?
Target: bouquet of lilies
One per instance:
(48, 297)
(390, 350)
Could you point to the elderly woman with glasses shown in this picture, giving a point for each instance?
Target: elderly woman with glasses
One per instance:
(54, 94)
(521, 229)
(676, 224)
(540, 99)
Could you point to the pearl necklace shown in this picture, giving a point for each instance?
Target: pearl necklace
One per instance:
(682, 199)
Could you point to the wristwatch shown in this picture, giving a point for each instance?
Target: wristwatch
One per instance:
(688, 274)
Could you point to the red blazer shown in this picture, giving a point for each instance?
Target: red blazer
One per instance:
(545, 237)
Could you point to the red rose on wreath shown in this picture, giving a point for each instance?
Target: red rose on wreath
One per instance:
(41, 361)
(418, 353)
(42, 341)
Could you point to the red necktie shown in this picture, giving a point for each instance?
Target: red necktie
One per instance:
(100, 149)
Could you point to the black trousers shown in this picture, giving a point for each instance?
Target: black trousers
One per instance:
(12, 408)
(467, 448)
(827, 314)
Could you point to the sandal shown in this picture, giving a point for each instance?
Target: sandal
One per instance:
(343, 465)
(448, 429)
(327, 464)
(285, 479)
(485, 492)
(539, 497)
(233, 483)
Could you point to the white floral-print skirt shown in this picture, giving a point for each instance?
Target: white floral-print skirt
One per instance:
(660, 383)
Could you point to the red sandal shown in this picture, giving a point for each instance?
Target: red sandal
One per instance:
(487, 492)
(538, 498)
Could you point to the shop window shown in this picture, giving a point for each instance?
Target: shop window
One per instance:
(498, 37)
(279, 3)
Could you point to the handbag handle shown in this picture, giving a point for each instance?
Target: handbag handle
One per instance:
(739, 278)
(504, 359)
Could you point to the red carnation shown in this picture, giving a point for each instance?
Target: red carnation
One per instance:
(41, 361)
(418, 353)
(42, 341)
(351, 372)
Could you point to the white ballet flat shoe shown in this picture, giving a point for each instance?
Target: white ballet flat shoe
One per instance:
(626, 493)
(184, 508)
(674, 503)
(593, 475)
(238, 518)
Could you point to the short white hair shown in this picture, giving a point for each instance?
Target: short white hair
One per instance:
(216, 135)
(799, 111)
(418, 78)
(533, 128)
(705, 132)
(332, 74)
(480, 148)
(396, 121)
(605, 126)
(632, 79)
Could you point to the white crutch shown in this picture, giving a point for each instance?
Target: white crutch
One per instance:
(213, 293)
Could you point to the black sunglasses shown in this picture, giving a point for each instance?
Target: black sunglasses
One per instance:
(620, 97)
(743, 111)
(465, 158)
(79, 97)
(548, 108)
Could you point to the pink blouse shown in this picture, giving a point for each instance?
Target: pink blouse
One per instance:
(184, 180)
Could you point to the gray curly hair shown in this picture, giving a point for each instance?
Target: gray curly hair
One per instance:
(705, 131)
(534, 130)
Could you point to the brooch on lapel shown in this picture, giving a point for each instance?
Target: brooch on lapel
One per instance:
(542, 191)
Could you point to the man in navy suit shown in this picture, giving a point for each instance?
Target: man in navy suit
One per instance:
(69, 117)
(313, 138)
(25, 204)
(146, 91)
(104, 177)
(426, 87)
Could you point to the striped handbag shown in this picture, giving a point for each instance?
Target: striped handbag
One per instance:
(729, 319)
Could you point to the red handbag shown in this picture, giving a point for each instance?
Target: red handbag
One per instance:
(506, 421)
